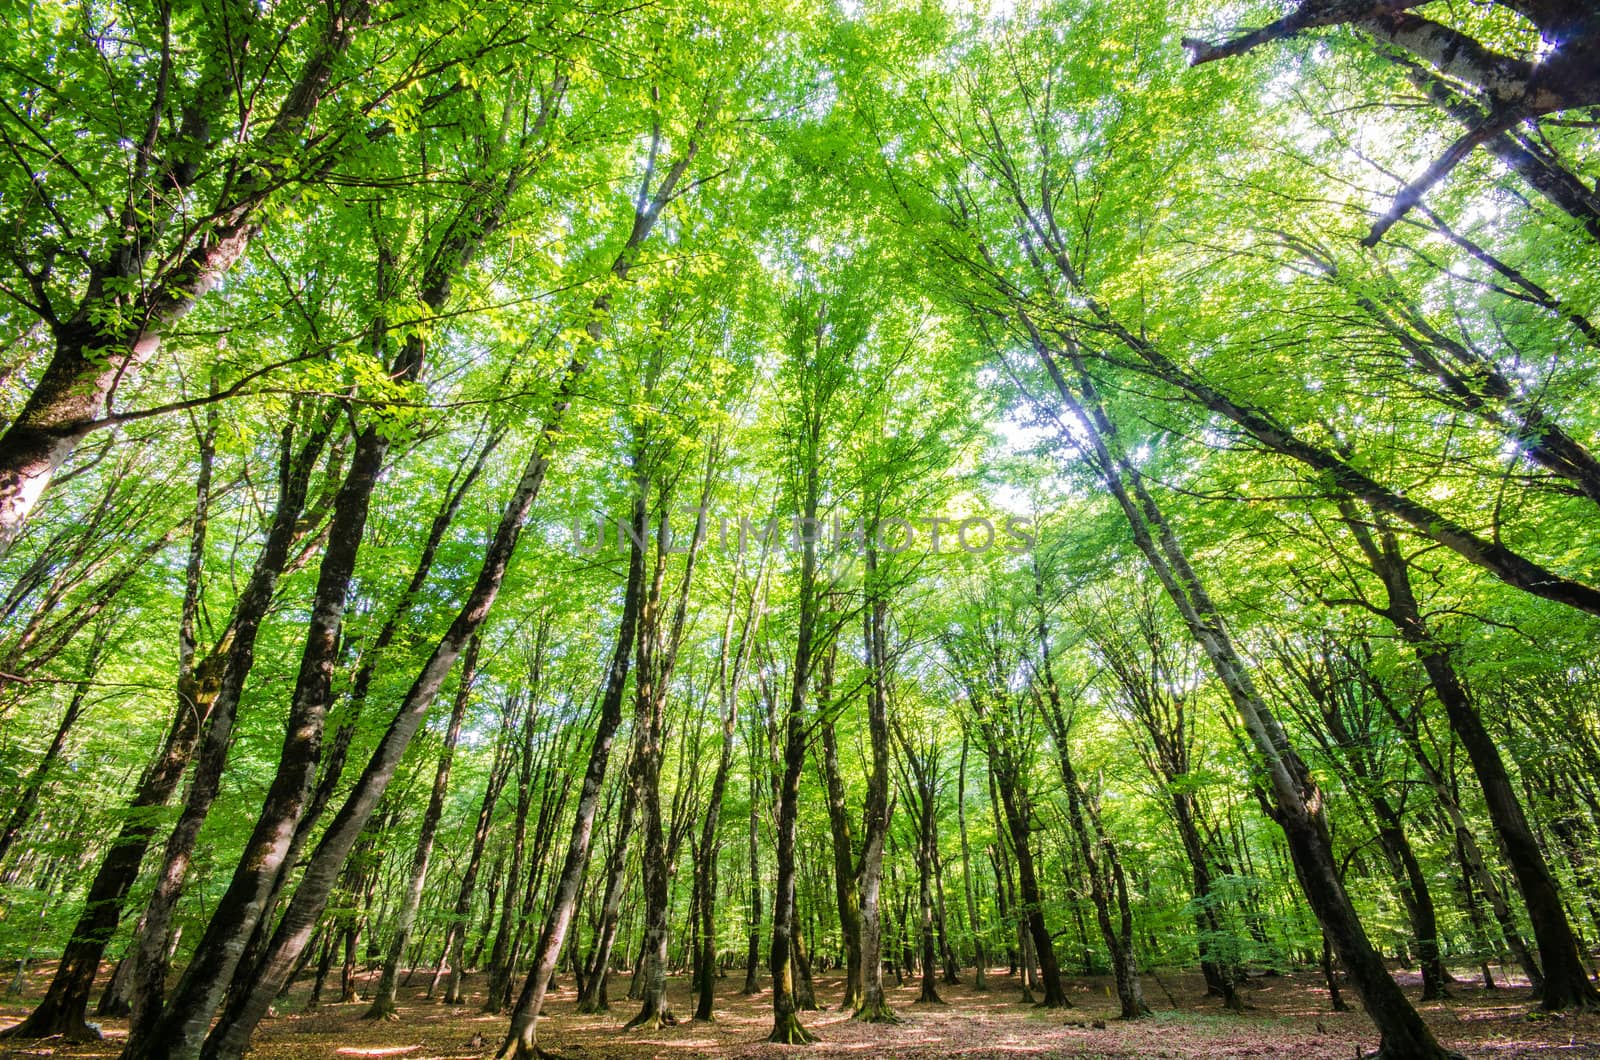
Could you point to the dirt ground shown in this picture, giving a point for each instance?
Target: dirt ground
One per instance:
(1287, 1017)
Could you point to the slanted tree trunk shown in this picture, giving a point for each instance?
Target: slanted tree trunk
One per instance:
(231, 1035)
(555, 788)
(383, 1001)
(261, 871)
(490, 906)
(331, 768)
(89, 360)
(202, 688)
(1467, 848)
(456, 932)
(1566, 983)
(521, 1039)
(1296, 802)
(1331, 978)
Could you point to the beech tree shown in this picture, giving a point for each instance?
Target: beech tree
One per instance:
(1068, 505)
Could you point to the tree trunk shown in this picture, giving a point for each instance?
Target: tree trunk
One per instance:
(980, 957)
(921, 791)
(383, 1001)
(1566, 983)
(1014, 801)
(874, 1007)
(786, 1028)
(592, 998)
(657, 651)
(846, 892)
(752, 961)
(730, 675)
(1104, 878)
(1296, 800)
(521, 1039)
(88, 362)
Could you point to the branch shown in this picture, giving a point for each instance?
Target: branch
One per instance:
(1412, 193)
(1308, 15)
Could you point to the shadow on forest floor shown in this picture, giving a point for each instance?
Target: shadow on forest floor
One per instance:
(1287, 1017)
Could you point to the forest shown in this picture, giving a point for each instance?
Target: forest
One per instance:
(982, 528)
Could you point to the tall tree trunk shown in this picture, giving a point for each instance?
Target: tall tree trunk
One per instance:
(874, 1008)
(1296, 802)
(652, 977)
(522, 1038)
(1566, 983)
(993, 708)
(1221, 970)
(846, 891)
(1106, 879)
(592, 998)
(657, 652)
(786, 1028)
(1415, 895)
(980, 955)
(383, 1001)
(331, 768)
(921, 792)
(88, 362)
(752, 960)
(1015, 802)
(805, 994)
(202, 687)
(731, 664)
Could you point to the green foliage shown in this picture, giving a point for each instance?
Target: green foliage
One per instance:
(891, 207)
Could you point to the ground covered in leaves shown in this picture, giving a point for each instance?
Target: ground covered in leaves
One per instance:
(1287, 1017)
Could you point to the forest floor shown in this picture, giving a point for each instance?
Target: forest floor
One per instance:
(1287, 1016)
